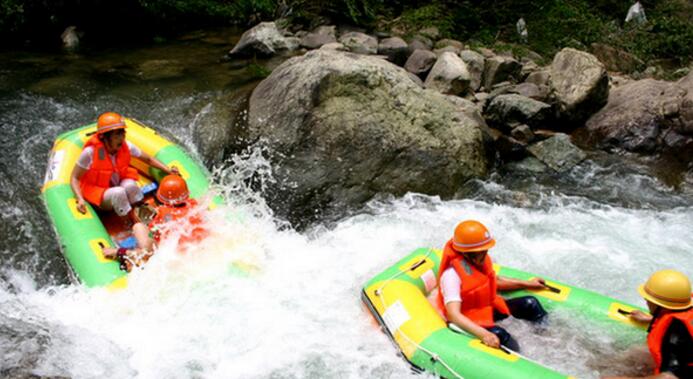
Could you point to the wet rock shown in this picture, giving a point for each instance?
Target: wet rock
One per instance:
(558, 152)
(529, 164)
(475, 65)
(510, 149)
(580, 84)
(616, 59)
(359, 43)
(499, 69)
(448, 75)
(420, 62)
(395, 48)
(324, 114)
(264, 39)
(509, 109)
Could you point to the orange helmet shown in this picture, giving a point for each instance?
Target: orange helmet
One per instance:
(172, 190)
(471, 237)
(109, 121)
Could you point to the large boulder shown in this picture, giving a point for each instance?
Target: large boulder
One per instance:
(579, 83)
(647, 116)
(615, 59)
(420, 62)
(263, 39)
(448, 75)
(506, 111)
(342, 127)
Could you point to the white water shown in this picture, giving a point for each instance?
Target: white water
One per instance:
(298, 314)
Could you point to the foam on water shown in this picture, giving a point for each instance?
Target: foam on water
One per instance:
(295, 309)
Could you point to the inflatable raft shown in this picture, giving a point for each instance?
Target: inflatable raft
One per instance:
(397, 298)
(83, 236)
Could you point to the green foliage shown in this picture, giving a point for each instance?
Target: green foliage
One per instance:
(257, 71)
(11, 15)
(431, 14)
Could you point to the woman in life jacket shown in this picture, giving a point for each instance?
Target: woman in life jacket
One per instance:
(468, 294)
(172, 212)
(670, 334)
(102, 174)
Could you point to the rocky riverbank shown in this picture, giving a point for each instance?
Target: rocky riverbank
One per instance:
(352, 114)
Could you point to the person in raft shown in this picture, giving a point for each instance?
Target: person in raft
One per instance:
(468, 295)
(102, 174)
(670, 334)
(174, 204)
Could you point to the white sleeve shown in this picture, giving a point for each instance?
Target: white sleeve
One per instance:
(134, 150)
(84, 160)
(450, 284)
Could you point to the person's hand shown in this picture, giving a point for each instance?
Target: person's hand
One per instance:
(110, 252)
(641, 316)
(491, 340)
(174, 170)
(536, 284)
(81, 207)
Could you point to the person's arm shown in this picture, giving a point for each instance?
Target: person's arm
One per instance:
(509, 284)
(77, 173)
(144, 157)
(462, 321)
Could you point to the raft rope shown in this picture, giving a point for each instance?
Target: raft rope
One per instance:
(379, 292)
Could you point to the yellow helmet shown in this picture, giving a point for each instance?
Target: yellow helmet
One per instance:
(669, 289)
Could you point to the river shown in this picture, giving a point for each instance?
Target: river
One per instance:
(605, 225)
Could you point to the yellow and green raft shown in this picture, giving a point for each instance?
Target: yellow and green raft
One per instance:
(83, 236)
(397, 298)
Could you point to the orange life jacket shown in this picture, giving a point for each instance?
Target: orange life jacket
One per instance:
(659, 328)
(97, 179)
(478, 291)
(166, 214)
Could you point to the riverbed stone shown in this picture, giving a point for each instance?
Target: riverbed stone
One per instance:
(359, 43)
(324, 114)
(263, 39)
(615, 59)
(315, 40)
(395, 48)
(580, 83)
(506, 110)
(557, 152)
(499, 69)
(420, 62)
(475, 65)
(448, 75)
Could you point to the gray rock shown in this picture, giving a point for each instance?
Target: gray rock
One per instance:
(315, 40)
(558, 152)
(359, 43)
(420, 62)
(533, 91)
(499, 69)
(326, 30)
(529, 164)
(333, 46)
(522, 133)
(487, 53)
(448, 75)
(431, 32)
(540, 77)
(342, 127)
(475, 65)
(449, 42)
(511, 109)
(615, 59)
(446, 49)
(395, 49)
(580, 84)
(263, 39)
(420, 43)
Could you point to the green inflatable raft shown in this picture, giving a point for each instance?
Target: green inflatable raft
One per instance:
(397, 298)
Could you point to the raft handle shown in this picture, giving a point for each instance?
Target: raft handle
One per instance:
(417, 264)
(624, 312)
(552, 289)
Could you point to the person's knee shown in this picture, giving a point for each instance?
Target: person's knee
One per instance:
(528, 308)
(119, 200)
(133, 191)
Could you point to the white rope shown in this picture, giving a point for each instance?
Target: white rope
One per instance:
(434, 356)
